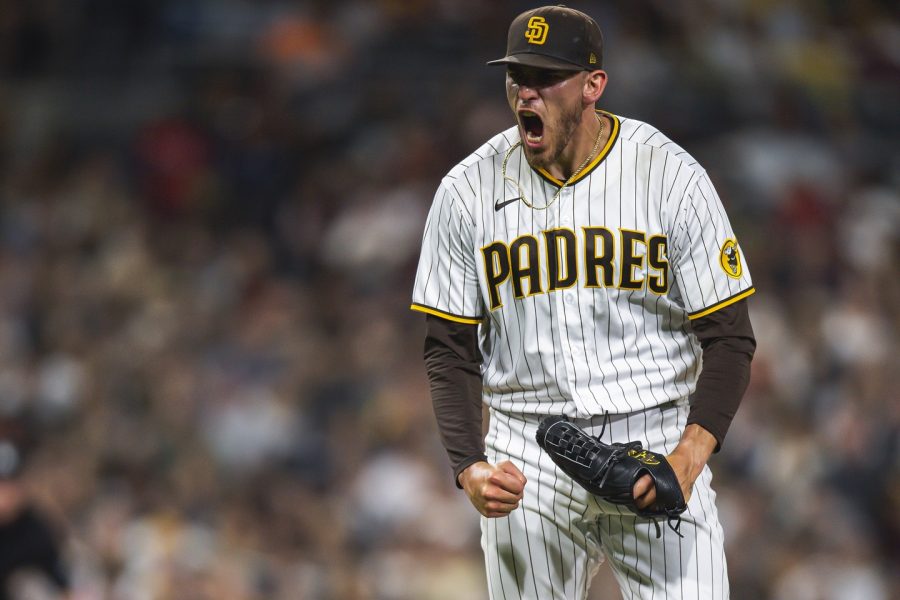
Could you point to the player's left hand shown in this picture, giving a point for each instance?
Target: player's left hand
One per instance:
(687, 460)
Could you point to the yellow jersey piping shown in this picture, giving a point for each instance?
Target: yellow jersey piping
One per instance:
(597, 160)
(444, 315)
(722, 304)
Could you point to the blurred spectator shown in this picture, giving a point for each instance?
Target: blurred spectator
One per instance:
(31, 560)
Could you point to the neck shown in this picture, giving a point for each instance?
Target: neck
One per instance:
(582, 147)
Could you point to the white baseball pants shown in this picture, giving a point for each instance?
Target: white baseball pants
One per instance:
(552, 545)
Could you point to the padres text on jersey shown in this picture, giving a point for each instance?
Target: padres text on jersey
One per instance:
(585, 306)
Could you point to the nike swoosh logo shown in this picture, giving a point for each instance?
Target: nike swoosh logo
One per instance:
(498, 205)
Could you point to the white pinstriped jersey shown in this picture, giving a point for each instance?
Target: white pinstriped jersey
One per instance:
(583, 307)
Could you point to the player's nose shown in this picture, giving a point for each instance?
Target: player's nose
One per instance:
(525, 93)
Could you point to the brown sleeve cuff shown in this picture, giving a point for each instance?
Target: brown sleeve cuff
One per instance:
(466, 462)
(453, 365)
(728, 343)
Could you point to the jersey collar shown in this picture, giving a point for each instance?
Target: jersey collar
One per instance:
(597, 159)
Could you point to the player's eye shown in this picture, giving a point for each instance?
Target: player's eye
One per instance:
(536, 78)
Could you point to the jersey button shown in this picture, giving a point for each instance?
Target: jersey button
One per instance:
(570, 298)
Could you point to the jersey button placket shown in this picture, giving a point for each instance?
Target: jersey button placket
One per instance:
(576, 368)
(567, 317)
(565, 219)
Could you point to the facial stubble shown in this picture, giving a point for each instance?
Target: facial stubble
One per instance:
(566, 125)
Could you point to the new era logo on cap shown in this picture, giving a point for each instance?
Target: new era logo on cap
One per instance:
(554, 37)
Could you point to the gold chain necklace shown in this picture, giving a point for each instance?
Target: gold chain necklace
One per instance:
(567, 182)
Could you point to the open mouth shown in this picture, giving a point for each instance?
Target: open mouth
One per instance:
(532, 125)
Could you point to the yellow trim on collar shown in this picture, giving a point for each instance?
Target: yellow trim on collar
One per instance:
(597, 159)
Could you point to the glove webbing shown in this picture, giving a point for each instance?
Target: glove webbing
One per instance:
(574, 450)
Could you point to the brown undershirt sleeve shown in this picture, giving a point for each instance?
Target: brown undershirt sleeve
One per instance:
(728, 343)
(453, 364)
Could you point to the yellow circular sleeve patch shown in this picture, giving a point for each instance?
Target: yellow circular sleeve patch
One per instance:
(730, 259)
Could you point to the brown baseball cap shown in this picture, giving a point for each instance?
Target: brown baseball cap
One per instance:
(554, 37)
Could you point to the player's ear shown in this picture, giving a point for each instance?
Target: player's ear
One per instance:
(594, 84)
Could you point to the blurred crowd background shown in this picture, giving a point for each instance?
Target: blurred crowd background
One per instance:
(210, 215)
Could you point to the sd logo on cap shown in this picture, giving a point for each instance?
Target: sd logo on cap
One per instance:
(554, 37)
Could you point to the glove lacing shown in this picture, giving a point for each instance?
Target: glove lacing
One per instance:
(619, 451)
(673, 518)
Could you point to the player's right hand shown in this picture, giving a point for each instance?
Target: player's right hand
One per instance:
(495, 490)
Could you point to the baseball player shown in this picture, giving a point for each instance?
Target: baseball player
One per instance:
(581, 264)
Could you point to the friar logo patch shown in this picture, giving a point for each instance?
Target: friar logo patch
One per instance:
(730, 259)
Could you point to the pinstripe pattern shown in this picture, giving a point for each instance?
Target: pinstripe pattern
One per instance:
(583, 350)
(552, 546)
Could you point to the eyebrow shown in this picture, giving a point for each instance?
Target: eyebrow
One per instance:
(539, 74)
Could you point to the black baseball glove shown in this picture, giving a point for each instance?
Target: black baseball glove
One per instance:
(610, 471)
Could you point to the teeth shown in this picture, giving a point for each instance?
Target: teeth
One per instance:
(532, 137)
(527, 113)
